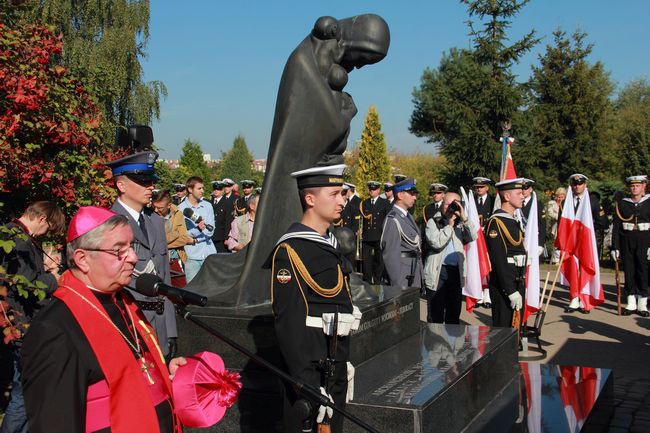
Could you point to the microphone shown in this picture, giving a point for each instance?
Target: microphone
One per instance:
(151, 285)
(196, 219)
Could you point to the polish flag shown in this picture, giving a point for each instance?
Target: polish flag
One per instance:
(579, 389)
(533, 382)
(576, 239)
(507, 165)
(477, 261)
(531, 241)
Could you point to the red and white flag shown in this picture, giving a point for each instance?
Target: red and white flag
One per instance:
(533, 381)
(579, 389)
(531, 241)
(576, 240)
(477, 261)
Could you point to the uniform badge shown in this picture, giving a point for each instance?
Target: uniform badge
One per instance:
(283, 276)
(493, 234)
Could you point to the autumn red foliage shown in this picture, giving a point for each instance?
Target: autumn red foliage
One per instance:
(48, 126)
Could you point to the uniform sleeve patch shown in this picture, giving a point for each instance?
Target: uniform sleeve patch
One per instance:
(493, 234)
(283, 276)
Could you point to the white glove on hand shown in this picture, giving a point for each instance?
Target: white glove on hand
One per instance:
(540, 251)
(616, 254)
(515, 301)
(324, 409)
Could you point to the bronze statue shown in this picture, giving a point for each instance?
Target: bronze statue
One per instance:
(311, 127)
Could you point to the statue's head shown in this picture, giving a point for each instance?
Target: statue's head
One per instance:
(365, 40)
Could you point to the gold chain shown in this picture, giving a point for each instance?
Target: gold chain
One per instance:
(135, 348)
(295, 260)
(506, 233)
(368, 217)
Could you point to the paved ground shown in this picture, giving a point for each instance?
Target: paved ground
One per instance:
(599, 339)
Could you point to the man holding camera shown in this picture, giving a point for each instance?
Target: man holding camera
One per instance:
(444, 267)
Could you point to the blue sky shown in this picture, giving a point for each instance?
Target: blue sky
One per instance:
(222, 61)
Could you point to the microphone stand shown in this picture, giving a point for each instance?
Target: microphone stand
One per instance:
(302, 388)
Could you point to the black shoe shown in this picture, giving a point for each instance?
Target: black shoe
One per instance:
(643, 313)
(626, 312)
(571, 310)
(583, 311)
(487, 305)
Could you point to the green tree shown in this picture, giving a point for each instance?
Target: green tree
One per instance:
(236, 164)
(104, 44)
(569, 121)
(633, 127)
(373, 163)
(192, 163)
(461, 105)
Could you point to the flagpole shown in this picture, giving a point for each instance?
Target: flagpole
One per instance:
(541, 301)
(557, 274)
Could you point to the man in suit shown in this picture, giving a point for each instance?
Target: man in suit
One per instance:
(400, 239)
(134, 179)
(222, 215)
(525, 211)
(373, 210)
(484, 202)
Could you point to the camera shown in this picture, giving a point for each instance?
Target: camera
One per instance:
(454, 207)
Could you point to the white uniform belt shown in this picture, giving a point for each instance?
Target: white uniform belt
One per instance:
(518, 260)
(641, 227)
(314, 322)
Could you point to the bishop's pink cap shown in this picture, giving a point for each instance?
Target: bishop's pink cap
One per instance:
(86, 219)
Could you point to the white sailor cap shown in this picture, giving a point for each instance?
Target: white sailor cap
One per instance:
(331, 175)
(481, 181)
(437, 187)
(348, 185)
(509, 184)
(528, 183)
(228, 182)
(642, 178)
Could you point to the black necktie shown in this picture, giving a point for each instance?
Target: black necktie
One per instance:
(480, 201)
(577, 203)
(142, 226)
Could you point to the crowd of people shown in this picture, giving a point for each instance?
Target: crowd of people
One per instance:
(94, 339)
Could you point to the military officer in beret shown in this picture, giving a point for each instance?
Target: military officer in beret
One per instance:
(437, 195)
(134, 177)
(631, 243)
(222, 215)
(242, 201)
(484, 201)
(309, 289)
(525, 212)
(373, 210)
(400, 239)
(507, 251)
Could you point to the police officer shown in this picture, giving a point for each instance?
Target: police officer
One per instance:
(222, 216)
(437, 195)
(309, 289)
(242, 201)
(507, 251)
(134, 179)
(400, 239)
(631, 243)
(373, 210)
(484, 201)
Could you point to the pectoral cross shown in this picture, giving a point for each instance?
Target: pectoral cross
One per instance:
(145, 369)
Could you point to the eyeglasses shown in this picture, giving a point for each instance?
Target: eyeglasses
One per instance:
(121, 254)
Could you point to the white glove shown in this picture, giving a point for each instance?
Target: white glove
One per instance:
(343, 328)
(515, 301)
(540, 251)
(350, 394)
(356, 313)
(648, 253)
(324, 409)
(616, 254)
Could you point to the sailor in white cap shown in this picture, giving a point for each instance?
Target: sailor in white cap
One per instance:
(507, 251)
(309, 288)
(631, 244)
